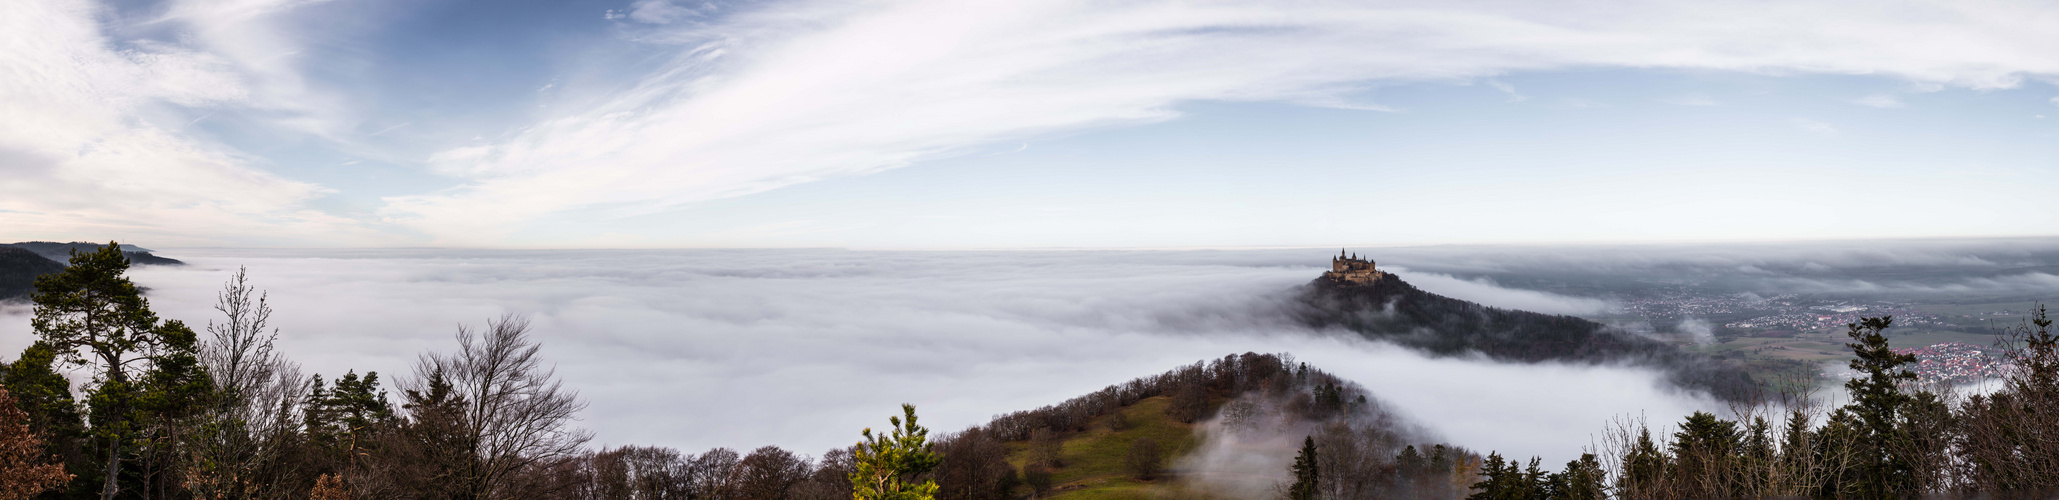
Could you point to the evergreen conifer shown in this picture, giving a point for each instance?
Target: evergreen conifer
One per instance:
(1305, 472)
(889, 464)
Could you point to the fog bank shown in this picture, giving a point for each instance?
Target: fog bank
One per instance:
(802, 348)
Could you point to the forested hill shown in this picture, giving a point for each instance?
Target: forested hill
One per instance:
(19, 269)
(61, 252)
(21, 263)
(1390, 309)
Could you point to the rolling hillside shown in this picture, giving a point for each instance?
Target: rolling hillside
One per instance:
(19, 269)
(1389, 309)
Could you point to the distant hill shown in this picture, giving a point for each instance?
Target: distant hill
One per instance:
(1382, 306)
(21, 263)
(19, 269)
(61, 252)
(1241, 402)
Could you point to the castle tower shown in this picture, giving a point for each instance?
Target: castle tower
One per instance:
(1348, 267)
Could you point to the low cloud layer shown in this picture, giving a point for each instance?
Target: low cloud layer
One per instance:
(789, 92)
(1485, 291)
(2002, 269)
(802, 348)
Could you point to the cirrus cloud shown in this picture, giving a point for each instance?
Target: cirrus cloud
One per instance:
(87, 147)
(800, 91)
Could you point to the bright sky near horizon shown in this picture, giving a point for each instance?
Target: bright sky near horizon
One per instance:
(980, 124)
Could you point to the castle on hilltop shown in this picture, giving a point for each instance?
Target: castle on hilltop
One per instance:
(1350, 268)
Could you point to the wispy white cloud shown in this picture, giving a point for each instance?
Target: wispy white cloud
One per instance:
(800, 91)
(81, 145)
(659, 12)
(1882, 100)
(261, 42)
(1506, 88)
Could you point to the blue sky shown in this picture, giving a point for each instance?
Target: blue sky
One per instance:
(649, 123)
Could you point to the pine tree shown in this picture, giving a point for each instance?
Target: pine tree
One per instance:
(174, 391)
(1877, 406)
(1798, 450)
(1305, 472)
(1703, 449)
(1500, 480)
(1755, 459)
(93, 316)
(888, 464)
(1582, 480)
(1409, 466)
(339, 417)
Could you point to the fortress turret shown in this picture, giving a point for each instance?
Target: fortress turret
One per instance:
(1348, 267)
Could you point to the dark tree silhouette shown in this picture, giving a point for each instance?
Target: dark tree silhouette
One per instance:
(1145, 460)
(1306, 481)
(93, 316)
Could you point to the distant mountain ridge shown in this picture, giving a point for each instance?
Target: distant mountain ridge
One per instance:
(61, 252)
(1383, 307)
(19, 269)
(21, 263)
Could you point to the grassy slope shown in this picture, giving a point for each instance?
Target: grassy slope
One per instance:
(1094, 459)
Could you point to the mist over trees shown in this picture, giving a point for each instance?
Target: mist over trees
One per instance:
(1389, 309)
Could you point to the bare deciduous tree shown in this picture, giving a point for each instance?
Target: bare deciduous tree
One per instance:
(511, 413)
(246, 434)
(770, 473)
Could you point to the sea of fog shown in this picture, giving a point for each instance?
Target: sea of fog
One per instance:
(696, 349)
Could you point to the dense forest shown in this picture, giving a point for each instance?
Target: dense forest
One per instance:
(18, 271)
(1894, 439)
(21, 263)
(171, 412)
(1391, 310)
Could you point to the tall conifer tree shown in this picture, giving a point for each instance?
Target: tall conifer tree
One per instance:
(1877, 405)
(93, 316)
(1305, 472)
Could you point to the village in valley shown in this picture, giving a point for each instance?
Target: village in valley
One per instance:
(1780, 334)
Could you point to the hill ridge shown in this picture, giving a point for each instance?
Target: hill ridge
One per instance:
(1384, 307)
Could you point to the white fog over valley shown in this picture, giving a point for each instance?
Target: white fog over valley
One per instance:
(696, 349)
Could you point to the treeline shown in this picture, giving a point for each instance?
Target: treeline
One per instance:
(1191, 387)
(1392, 310)
(1893, 440)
